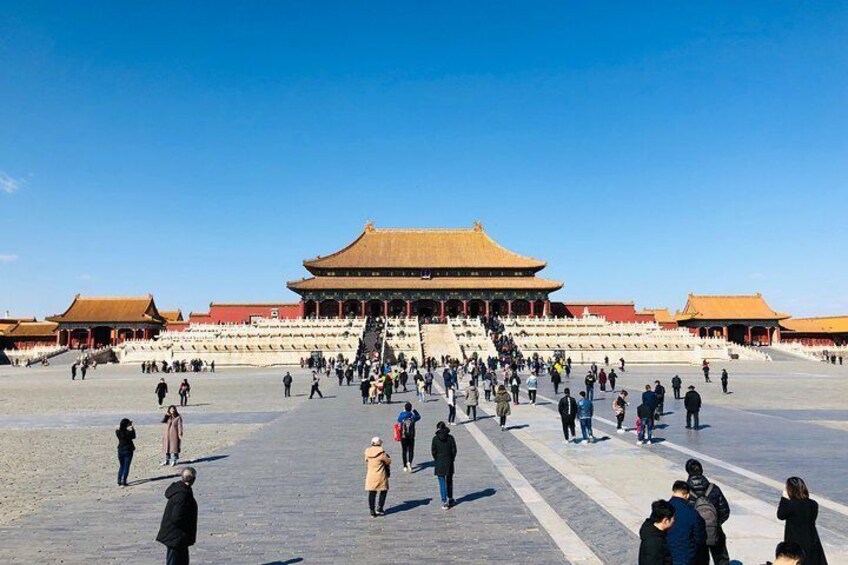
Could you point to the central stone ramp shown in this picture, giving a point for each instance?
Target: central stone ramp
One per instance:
(439, 340)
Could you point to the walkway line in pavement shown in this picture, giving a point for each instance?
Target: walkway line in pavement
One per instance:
(572, 547)
(762, 479)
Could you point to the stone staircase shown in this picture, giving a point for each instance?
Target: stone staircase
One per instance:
(438, 340)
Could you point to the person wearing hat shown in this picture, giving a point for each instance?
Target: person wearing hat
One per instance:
(126, 448)
(377, 472)
(692, 403)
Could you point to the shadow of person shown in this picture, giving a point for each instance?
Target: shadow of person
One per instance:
(153, 479)
(207, 459)
(408, 505)
(286, 562)
(517, 427)
(471, 497)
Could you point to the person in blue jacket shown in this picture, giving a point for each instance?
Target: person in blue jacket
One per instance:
(650, 399)
(407, 419)
(584, 413)
(688, 531)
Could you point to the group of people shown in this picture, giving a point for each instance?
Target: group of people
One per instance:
(161, 391)
(194, 366)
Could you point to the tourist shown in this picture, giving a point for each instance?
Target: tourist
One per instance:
(606, 360)
(800, 513)
(287, 382)
(472, 399)
(645, 427)
(688, 532)
(178, 531)
(172, 436)
(487, 385)
(556, 379)
(73, 371)
(212, 366)
(584, 413)
(83, 369)
(659, 390)
(724, 377)
(653, 549)
(589, 381)
(532, 387)
(493, 385)
(316, 382)
(705, 367)
(593, 368)
(184, 392)
(451, 405)
(421, 387)
(711, 504)
(443, 450)
(676, 383)
(126, 447)
(388, 388)
(621, 364)
(377, 470)
(602, 380)
(406, 421)
(161, 391)
(428, 382)
(619, 407)
(788, 553)
(365, 387)
(650, 399)
(514, 384)
(568, 413)
(612, 377)
(692, 403)
(502, 408)
(568, 369)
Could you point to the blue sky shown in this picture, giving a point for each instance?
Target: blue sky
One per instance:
(200, 151)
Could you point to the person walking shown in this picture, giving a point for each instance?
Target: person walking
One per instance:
(126, 448)
(688, 533)
(83, 369)
(451, 405)
(161, 391)
(692, 403)
(646, 424)
(568, 414)
(724, 377)
(584, 412)
(589, 381)
(472, 399)
(172, 436)
(514, 384)
(73, 371)
(619, 407)
(184, 392)
(710, 503)
(287, 382)
(406, 421)
(602, 380)
(676, 383)
(556, 380)
(612, 377)
(659, 390)
(653, 549)
(178, 530)
(388, 388)
(532, 388)
(443, 450)
(377, 472)
(705, 367)
(316, 382)
(502, 408)
(800, 512)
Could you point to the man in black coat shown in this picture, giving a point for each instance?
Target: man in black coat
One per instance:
(653, 549)
(443, 450)
(568, 413)
(692, 403)
(179, 521)
(676, 383)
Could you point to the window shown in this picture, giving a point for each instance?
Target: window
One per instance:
(275, 313)
(425, 274)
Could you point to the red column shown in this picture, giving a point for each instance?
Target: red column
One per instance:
(90, 340)
(777, 334)
(464, 307)
(547, 311)
(341, 308)
(750, 341)
(362, 308)
(724, 332)
(487, 308)
(532, 308)
(409, 308)
(386, 308)
(302, 309)
(442, 310)
(509, 307)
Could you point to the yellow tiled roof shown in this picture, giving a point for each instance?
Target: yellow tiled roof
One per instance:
(821, 325)
(32, 329)
(87, 309)
(172, 315)
(424, 249)
(661, 315)
(414, 283)
(728, 307)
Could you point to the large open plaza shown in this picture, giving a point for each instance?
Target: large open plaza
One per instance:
(280, 480)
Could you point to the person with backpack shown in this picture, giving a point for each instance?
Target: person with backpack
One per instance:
(428, 383)
(712, 506)
(443, 450)
(688, 532)
(472, 399)
(676, 383)
(514, 384)
(589, 381)
(692, 403)
(568, 414)
(724, 378)
(800, 512)
(405, 433)
(502, 408)
(532, 388)
(584, 412)
(653, 549)
(646, 424)
(619, 407)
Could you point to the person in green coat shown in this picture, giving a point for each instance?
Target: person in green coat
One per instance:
(502, 407)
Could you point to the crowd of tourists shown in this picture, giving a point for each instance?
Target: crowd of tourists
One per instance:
(178, 366)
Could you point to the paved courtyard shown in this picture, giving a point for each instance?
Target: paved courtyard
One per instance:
(281, 480)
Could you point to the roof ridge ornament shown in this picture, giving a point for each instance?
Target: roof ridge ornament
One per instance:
(369, 226)
(478, 226)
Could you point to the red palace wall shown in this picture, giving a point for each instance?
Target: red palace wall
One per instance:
(622, 312)
(242, 313)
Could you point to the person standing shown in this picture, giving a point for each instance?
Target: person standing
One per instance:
(800, 512)
(451, 405)
(676, 383)
(287, 382)
(472, 399)
(184, 392)
(646, 424)
(532, 388)
(619, 407)
(653, 549)
(212, 366)
(502, 408)
(126, 448)
(556, 380)
(568, 414)
(172, 436)
(724, 378)
(316, 382)
(692, 403)
(584, 412)
(612, 377)
(407, 419)
(621, 364)
(388, 388)
(377, 472)
(659, 390)
(602, 380)
(443, 450)
(589, 381)
(161, 391)
(710, 503)
(705, 367)
(688, 532)
(514, 384)
(364, 389)
(73, 371)
(83, 369)
(178, 530)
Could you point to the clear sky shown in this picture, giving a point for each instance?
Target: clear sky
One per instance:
(200, 151)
